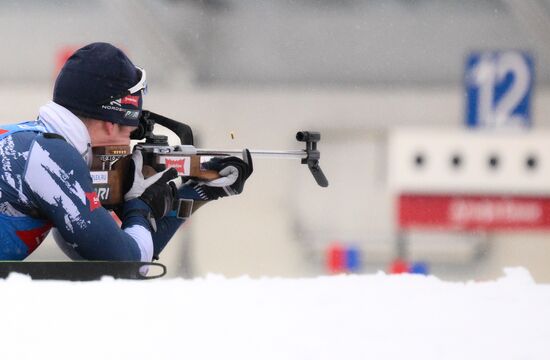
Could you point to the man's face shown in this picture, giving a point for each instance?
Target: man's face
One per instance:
(121, 134)
(105, 133)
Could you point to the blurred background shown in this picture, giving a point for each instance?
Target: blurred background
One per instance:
(434, 118)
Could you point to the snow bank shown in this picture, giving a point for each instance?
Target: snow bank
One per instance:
(342, 317)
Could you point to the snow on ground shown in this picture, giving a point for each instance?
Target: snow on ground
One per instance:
(342, 317)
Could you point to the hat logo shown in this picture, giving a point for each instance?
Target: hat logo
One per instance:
(115, 103)
(130, 100)
(132, 115)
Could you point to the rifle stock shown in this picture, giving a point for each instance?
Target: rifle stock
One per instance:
(111, 169)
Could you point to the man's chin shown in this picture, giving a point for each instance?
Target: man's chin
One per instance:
(111, 143)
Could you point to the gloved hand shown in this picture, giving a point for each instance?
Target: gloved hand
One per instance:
(156, 191)
(233, 171)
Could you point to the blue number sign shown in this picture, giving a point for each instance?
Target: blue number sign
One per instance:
(499, 86)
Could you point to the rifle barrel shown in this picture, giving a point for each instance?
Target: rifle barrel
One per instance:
(280, 154)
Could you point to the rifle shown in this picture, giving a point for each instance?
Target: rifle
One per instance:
(110, 164)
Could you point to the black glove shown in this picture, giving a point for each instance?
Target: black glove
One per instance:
(160, 196)
(156, 191)
(233, 172)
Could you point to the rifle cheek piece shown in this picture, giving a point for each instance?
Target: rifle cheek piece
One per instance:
(313, 155)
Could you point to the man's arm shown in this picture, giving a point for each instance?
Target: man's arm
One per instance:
(233, 174)
(60, 184)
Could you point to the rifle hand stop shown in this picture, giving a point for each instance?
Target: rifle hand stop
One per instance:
(312, 155)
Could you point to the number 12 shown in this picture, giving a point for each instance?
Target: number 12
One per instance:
(503, 82)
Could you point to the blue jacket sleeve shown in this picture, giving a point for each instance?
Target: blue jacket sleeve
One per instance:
(60, 183)
(166, 228)
(168, 225)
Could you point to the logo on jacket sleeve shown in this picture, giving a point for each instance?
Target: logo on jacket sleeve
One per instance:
(93, 200)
